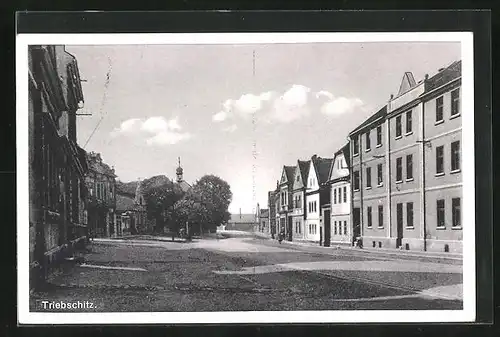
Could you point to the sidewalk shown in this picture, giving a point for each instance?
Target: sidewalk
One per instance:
(380, 251)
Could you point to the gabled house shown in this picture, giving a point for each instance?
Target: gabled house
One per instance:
(340, 197)
(299, 198)
(285, 202)
(318, 201)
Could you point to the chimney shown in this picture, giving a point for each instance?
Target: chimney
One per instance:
(440, 69)
(426, 76)
(392, 96)
(314, 156)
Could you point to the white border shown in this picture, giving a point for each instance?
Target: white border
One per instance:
(341, 316)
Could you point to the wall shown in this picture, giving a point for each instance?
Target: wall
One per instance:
(313, 217)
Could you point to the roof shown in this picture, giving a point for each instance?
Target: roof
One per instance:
(289, 170)
(407, 83)
(242, 218)
(448, 74)
(96, 164)
(379, 114)
(184, 186)
(322, 167)
(304, 168)
(124, 202)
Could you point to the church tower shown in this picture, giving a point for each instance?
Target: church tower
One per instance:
(179, 171)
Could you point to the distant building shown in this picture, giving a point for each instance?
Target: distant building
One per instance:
(406, 167)
(242, 222)
(125, 213)
(101, 184)
(271, 200)
(299, 199)
(262, 219)
(180, 179)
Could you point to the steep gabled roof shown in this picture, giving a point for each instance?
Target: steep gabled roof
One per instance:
(344, 150)
(379, 114)
(303, 166)
(407, 83)
(289, 171)
(453, 71)
(322, 167)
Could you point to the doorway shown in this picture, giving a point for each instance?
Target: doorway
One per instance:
(399, 226)
(356, 228)
(289, 226)
(327, 222)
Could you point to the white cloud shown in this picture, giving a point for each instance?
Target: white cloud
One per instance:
(296, 96)
(250, 103)
(341, 105)
(159, 130)
(324, 93)
(231, 128)
(220, 116)
(167, 138)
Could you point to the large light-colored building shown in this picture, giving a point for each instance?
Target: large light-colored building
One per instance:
(318, 201)
(406, 177)
(340, 198)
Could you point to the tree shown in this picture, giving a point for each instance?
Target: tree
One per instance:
(214, 196)
(161, 194)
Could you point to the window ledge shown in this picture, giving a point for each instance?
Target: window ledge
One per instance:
(409, 133)
(380, 227)
(410, 227)
(411, 179)
(399, 181)
(439, 122)
(355, 154)
(368, 150)
(369, 188)
(356, 190)
(456, 228)
(398, 137)
(379, 145)
(439, 174)
(380, 185)
(440, 228)
(455, 116)
(455, 171)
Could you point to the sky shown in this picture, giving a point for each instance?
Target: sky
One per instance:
(210, 106)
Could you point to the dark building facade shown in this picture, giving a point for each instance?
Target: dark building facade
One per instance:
(56, 163)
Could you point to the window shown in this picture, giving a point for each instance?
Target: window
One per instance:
(335, 196)
(355, 145)
(381, 216)
(368, 144)
(369, 216)
(379, 175)
(356, 180)
(455, 156)
(335, 227)
(440, 160)
(409, 167)
(409, 122)
(399, 169)
(440, 212)
(409, 214)
(340, 193)
(379, 135)
(368, 177)
(398, 127)
(455, 102)
(345, 227)
(439, 109)
(456, 215)
(298, 178)
(315, 209)
(345, 194)
(399, 215)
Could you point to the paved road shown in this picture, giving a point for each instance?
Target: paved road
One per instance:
(248, 274)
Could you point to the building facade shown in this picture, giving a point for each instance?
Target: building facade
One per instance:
(262, 219)
(285, 204)
(299, 199)
(271, 200)
(101, 184)
(403, 195)
(340, 198)
(318, 201)
(56, 162)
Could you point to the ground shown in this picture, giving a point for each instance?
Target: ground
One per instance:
(249, 274)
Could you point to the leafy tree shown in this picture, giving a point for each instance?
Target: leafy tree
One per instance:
(214, 196)
(161, 194)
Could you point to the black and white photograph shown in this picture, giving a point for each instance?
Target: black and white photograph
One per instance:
(245, 178)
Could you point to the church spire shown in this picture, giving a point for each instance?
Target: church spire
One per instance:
(179, 171)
